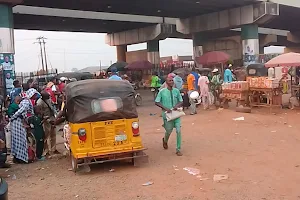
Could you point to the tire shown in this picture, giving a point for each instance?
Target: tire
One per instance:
(138, 100)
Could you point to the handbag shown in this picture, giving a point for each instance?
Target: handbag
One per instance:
(175, 114)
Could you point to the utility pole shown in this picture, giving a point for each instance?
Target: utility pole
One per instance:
(100, 66)
(64, 60)
(39, 41)
(45, 54)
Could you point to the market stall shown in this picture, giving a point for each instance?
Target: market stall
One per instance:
(286, 69)
(238, 90)
(264, 92)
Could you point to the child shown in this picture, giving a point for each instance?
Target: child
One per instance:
(14, 107)
(36, 123)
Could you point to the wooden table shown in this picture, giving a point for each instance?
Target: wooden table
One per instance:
(241, 96)
(256, 95)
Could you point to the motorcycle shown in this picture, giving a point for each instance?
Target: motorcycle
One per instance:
(137, 96)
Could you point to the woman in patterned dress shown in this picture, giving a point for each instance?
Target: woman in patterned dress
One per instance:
(19, 148)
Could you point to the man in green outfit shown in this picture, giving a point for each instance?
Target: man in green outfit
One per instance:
(169, 99)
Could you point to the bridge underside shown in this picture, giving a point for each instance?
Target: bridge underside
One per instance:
(164, 8)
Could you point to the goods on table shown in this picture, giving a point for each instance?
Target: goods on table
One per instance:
(236, 86)
(262, 82)
(235, 90)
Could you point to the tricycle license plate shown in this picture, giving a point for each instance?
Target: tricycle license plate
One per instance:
(120, 138)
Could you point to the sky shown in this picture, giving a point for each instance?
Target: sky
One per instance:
(66, 50)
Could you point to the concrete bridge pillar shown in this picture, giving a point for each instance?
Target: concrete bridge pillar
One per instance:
(7, 48)
(250, 43)
(121, 53)
(153, 52)
(198, 42)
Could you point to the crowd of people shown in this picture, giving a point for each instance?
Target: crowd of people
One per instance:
(30, 119)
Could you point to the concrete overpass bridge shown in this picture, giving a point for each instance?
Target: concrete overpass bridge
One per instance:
(244, 25)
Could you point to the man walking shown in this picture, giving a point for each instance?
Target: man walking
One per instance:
(169, 99)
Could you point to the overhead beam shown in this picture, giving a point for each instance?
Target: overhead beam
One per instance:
(292, 3)
(294, 37)
(227, 19)
(135, 36)
(11, 2)
(267, 31)
(56, 12)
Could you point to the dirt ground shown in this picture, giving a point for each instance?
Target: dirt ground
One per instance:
(260, 155)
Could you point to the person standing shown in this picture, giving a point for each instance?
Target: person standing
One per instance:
(169, 99)
(204, 89)
(19, 148)
(216, 83)
(196, 75)
(115, 76)
(50, 131)
(178, 82)
(227, 75)
(16, 91)
(155, 83)
(191, 88)
(36, 122)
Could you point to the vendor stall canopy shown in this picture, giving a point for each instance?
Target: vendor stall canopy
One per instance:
(213, 57)
(285, 60)
(120, 66)
(99, 100)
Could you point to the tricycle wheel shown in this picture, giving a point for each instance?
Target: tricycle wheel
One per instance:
(138, 100)
(74, 163)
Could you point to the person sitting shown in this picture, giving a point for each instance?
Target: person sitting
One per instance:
(36, 123)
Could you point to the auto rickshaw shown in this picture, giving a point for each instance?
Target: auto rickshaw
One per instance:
(103, 123)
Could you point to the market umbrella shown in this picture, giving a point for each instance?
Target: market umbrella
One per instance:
(285, 60)
(212, 58)
(119, 65)
(139, 65)
(182, 72)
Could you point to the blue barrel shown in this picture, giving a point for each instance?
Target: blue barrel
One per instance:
(3, 189)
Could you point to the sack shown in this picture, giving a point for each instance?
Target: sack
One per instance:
(174, 114)
(7, 136)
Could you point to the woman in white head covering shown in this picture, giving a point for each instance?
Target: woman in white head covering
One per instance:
(19, 148)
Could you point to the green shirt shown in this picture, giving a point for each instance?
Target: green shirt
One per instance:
(169, 98)
(155, 82)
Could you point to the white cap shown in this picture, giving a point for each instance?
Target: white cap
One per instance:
(63, 79)
(215, 70)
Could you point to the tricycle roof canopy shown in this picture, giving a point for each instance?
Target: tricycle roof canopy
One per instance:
(91, 101)
(285, 60)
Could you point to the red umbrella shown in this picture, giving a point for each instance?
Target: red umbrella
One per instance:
(285, 60)
(213, 57)
(139, 65)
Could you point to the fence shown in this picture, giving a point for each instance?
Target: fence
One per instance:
(23, 77)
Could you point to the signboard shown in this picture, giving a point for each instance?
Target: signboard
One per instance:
(250, 51)
(7, 64)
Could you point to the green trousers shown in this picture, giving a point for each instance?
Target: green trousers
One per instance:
(169, 126)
